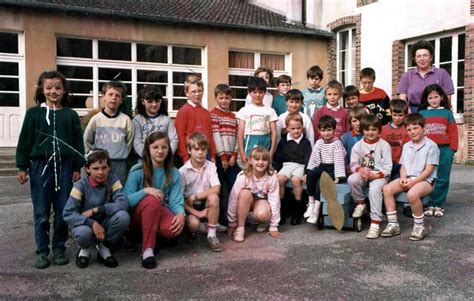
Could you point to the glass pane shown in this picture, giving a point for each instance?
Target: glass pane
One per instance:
(460, 101)
(447, 67)
(242, 60)
(179, 77)
(115, 74)
(8, 42)
(74, 47)
(9, 84)
(239, 93)
(161, 87)
(342, 78)
(274, 61)
(77, 102)
(80, 87)
(178, 90)
(238, 80)
(186, 56)
(461, 46)
(460, 74)
(236, 105)
(343, 39)
(432, 42)
(76, 72)
(445, 49)
(115, 51)
(410, 59)
(9, 100)
(152, 76)
(353, 32)
(178, 103)
(7, 68)
(152, 53)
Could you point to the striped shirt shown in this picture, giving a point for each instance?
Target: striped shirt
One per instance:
(329, 153)
(224, 131)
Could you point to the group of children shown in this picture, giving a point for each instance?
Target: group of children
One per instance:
(253, 154)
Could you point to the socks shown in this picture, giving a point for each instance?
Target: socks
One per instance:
(375, 224)
(104, 251)
(211, 232)
(419, 220)
(317, 205)
(392, 217)
(310, 200)
(84, 253)
(148, 253)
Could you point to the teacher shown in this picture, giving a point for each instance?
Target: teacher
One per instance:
(414, 81)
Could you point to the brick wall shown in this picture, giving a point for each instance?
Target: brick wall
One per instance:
(398, 65)
(469, 88)
(348, 21)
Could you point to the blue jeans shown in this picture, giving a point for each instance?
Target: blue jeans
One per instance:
(226, 177)
(44, 194)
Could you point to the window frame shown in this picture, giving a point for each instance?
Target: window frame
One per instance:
(454, 34)
(134, 65)
(18, 58)
(351, 63)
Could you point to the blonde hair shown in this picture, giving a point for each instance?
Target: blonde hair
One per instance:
(192, 80)
(197, 139)
(257, 153)
(295, 117)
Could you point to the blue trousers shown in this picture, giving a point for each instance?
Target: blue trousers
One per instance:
(46, 192)
(226, 177)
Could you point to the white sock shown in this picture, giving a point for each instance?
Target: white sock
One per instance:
(84, 253)
(317, 204)
(375, 226)
(148, 253)
(211, 230)
(311, 199)
(104, 251)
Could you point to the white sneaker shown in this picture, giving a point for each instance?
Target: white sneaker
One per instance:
(374, 232)
(239, 234)
(309, 210)
(313, 219)
(359, 210)
(418, 233)
(262, 227)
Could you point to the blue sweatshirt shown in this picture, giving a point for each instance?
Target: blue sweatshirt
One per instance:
(135, 188)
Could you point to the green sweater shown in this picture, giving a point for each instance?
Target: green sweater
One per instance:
(34, 144)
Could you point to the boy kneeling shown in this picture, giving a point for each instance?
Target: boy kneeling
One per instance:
(97, 210)
(419, 161)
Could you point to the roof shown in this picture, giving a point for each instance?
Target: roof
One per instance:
(226, 14)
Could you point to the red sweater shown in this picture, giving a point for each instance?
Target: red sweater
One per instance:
(396, 137)
(189, 120)
(224, 128)
(342, 121)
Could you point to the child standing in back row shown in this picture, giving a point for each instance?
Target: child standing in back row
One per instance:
(50, 152)
(314, 94)
(440, 127)
(279, 101)
(373, 98)
(111, 129)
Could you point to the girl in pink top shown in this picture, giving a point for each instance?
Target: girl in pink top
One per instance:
(256, 189)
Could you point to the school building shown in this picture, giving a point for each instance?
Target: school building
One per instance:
(159, 42)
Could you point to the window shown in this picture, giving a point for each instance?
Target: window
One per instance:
(88, 64)
(449, 53)
(11, 66)
(346, 56)
(242, 65)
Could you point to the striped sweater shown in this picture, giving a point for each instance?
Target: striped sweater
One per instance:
(441, 127)
(329, 153)
(224, 131)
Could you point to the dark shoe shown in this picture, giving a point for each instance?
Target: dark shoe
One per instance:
(282, 221)
(60, 258)
(82, 261)
(407, 212)
(191, 238)
(295, 220)
(109, 262)
(149, 262)
(42, 261)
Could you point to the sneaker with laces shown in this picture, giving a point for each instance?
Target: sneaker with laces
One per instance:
(309, 210)
(42, 261)
(60, 257)
(262, 227)
(214, 244)
(373, 233)
(418, 233)
(391, 230)
(429, 211)
(239, 234)
(359, 210)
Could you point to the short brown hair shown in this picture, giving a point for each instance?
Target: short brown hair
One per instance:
(192, 80)
(370, 120)
(295, 117)
(117, 85)
(399, 106)
(367, 72)
(197, 139)
(294, 94)
(222, 88)
(334, 84)
(358, 112)
(415, 119)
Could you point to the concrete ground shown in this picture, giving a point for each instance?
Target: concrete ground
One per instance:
(303, 263)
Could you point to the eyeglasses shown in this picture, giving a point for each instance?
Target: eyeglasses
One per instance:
(153, 101)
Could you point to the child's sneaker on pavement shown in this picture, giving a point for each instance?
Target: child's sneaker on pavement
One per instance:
(262, 227)
(239, 234)
(42, 261)
(429, 211)
(391, 230)
(309, 211)
(214, 244)
(374, 232)
(418, 233)
(359, 210)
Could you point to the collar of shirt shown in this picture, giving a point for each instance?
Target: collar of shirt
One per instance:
(221, 109)
(371, 142)
(428, 72)
(110, 116)
(94, 183)
(438, 108)
(192, 103)
(311, 90)
(337, 108)
(393, 126)
(418, 146)
(289, 138)
(354, 133)
(189, 165)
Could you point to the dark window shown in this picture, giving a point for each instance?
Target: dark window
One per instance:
(460, 100)
(9, 100)
(7, 68)
(76, 72)
(152, 76)
(9, 84)
(8, 42)
(152, 53)
(107, 74)
(179, 77)
(461, 45)
(78, 102)
(115, 51)
(186, 56)
(70, 47)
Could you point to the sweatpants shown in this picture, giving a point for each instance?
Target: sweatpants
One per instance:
(357, 184)
(441, 188)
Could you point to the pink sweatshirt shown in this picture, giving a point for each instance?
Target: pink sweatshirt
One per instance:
(267, 187)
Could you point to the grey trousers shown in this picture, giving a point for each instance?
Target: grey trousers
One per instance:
(357, 184)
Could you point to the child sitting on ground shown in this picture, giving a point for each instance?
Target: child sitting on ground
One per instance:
(201, 190)
(371, 164)
(97, 210)
(256, 189)
(419, 161)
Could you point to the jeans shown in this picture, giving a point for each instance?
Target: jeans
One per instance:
(50, 188)
(226, 177)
